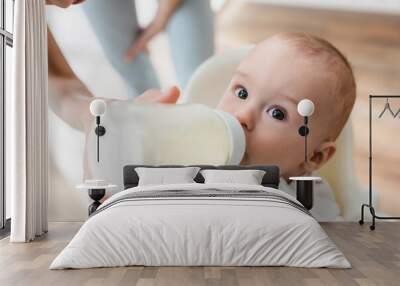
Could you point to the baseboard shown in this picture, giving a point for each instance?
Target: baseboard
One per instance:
(373, 6)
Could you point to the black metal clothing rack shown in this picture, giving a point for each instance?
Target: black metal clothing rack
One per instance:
(369, 205)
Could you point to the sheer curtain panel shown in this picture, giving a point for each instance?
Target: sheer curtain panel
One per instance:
(26, 124)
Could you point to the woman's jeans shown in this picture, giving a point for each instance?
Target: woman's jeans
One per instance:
(190, 32)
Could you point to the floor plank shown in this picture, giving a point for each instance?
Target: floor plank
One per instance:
(374, 255)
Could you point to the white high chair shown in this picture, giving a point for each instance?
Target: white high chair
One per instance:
(210, 81)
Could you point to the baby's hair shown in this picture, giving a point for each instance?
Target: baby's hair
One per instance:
(346, 86)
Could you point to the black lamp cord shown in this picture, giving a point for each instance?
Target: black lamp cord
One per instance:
(98, 137)
(305, 138)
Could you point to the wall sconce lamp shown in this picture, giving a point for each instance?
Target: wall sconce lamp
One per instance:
(305, 108)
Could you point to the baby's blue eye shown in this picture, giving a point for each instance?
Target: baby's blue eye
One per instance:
(241, 92)
(276, 113)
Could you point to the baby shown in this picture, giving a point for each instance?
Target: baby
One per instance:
(263, 95)
(265, 90)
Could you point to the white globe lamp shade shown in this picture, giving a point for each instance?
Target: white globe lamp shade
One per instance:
(305, 107)
(98, 107)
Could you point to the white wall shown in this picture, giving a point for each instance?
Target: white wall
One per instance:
(375, 6)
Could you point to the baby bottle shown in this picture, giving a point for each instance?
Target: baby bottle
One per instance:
(158, 134)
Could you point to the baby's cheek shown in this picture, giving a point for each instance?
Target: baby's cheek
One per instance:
(275, 148)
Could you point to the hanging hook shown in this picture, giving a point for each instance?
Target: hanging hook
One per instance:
(387, 107)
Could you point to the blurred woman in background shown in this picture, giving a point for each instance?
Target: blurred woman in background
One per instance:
(189, 25)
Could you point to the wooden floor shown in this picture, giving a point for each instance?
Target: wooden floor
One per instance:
(372, 44)
(374, 255)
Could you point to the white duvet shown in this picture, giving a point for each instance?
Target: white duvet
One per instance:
(182, 231)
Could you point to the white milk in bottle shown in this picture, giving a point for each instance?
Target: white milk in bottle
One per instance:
(158, 134)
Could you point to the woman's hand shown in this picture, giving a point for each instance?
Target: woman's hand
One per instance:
(166, 9)
(170, 96)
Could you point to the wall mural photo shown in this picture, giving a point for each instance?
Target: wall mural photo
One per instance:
(218, 83)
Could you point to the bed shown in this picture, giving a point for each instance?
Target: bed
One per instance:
(199, 224)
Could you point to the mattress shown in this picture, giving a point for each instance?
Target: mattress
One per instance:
(201, 225)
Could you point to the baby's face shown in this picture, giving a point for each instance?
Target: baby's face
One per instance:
(263, 95)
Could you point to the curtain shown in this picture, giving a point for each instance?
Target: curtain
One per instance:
(26, 123)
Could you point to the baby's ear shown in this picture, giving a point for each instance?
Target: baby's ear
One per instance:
(321, 155)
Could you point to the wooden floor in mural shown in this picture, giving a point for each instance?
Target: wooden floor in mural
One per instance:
(372, 43)
(374, 255)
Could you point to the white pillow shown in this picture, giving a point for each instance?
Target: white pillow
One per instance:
(248, 177)
(162, 176)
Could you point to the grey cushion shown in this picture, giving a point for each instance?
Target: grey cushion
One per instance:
(270, 179)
